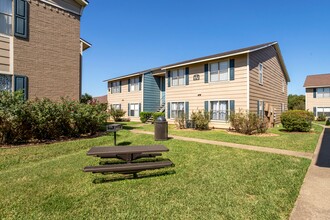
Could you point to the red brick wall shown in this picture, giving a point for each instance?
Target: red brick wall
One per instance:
(50, 57)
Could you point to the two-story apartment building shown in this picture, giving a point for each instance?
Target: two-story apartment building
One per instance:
(40, 47)
(249, 79)
(318, 94)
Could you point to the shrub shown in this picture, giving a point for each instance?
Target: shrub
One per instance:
(144, 116)
(297, 120)
(201, 119)
(15, 118)
(248, 123)
(43, 119)
(116, 114)
(180, 121)
(327, 122)
(157, 114)
(321, 117)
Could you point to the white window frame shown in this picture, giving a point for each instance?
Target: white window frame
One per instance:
(135, 84)
(180, 80)
(115, 87)
(261, 113)
(227, 110)
(317, 110)
(283, 86)
(138, 110)
(171, 109)
(219, 74)
(115, 105)
(11, 85)
(282, 107)
(261, 73)
(321, 94)
(10, 16)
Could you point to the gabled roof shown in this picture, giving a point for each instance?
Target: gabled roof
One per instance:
(215, 57)
(82, 2)
(318, 80)
(101, 99)
(85, 44)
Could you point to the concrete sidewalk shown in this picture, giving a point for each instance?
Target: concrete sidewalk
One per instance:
(314, 198)
(239, 146)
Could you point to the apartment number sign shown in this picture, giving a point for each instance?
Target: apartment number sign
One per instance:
(196, 77)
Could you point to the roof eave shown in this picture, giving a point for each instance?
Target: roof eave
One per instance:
(277, 47)
(83, 3)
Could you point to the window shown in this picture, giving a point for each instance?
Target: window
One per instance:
(178, 77)
(177, 109)
(6, 17)
(219, 71)
(219, 110)
(5, 82)
(116, 87)
(134, 109)
(323, 110)
(323, 93)
(116, 106)
(282, 107)
(261, 109)
(261, 74)
(283, 86)
(134, 84)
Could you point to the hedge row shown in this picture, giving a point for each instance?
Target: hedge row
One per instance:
(43, 119)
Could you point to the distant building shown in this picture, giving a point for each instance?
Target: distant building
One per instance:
(253, 79)
(40, 47)
(318, 94)
(101, 99)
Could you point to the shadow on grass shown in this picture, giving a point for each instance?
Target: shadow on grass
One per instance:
(124, 143)
(131, 177)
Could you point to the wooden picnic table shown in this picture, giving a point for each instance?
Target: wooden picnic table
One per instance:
(127, 153)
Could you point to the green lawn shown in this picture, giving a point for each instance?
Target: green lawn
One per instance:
(208, 182)
(305, 142)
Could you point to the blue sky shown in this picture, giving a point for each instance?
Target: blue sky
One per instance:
(130, 35)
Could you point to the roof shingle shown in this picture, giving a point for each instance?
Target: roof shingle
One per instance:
(317, 80)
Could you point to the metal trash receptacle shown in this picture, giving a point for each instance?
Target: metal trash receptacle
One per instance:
(161, 129)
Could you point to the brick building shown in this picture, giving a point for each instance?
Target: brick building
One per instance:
(40, 47)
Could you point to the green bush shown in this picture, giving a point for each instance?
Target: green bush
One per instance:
(248, 123)
(180, 121)
(327, 122)
(15, 118)
(201, 119)
(43, 119)
(144, 116)
(321, 117)
(157, 114)
(297, 120)
(116, 114)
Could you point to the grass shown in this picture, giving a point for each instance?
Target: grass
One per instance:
(295, 141)
(208, 182)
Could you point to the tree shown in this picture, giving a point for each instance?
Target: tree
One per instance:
(86, 98)
(296, 102)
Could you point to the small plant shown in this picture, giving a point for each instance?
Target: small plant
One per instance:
(144, 116)
(321, 117)
(180, 121)
(116, 114)
(327, 122)
(248, 123)
(297, 120)
(201, 119)
(157, 114)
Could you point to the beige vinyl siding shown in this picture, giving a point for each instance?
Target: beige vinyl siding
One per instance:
(315, 102)
(271, 90)
(4, 54)
(125, 97)
(197, 91)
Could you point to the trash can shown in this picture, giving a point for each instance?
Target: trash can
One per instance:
(161, 129)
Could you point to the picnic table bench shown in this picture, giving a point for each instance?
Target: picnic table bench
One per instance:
(128, 154)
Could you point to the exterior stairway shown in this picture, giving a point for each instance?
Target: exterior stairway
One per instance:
(160, 109)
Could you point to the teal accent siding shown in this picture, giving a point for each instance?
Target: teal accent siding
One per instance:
(151, 92)
(232, 106)
(186, 110)
(314, 93)
(206, 73)
(206, 106)
(21, 18)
